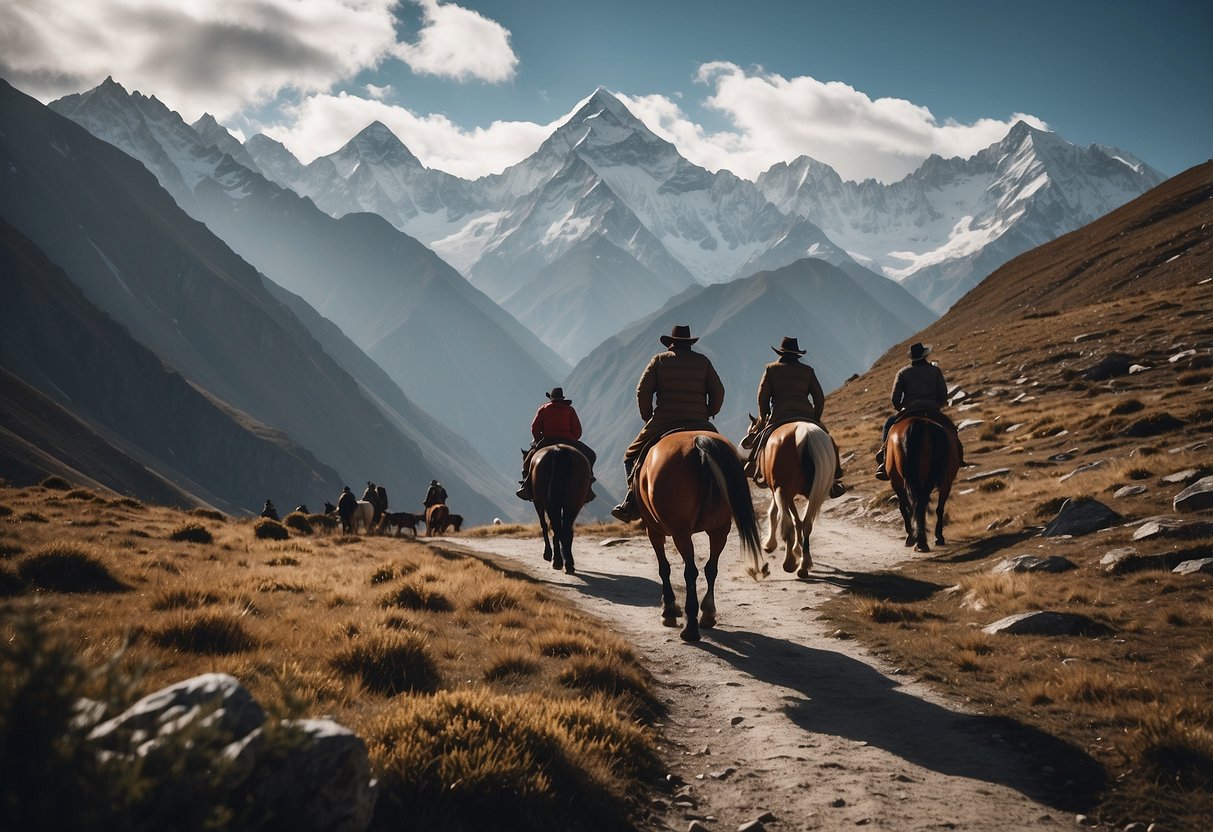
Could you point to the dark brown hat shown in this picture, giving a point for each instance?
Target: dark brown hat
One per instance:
(789, 346)
(557, 395)
(680, 334)
(919, 351)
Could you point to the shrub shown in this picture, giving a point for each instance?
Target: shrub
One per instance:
(495, 601)
(608, 675)
(1126, 407)
(390, 663)
(31, 517)
(128, 502)
(416, 595)
(563, 646)
(56, 484)
(209, 514)
(191, 533)
(267, 529)
(298, 521)
(216, 634)
(511, 663)
(67, 567)
(282, 560)
(81, 494)
(1154, 425)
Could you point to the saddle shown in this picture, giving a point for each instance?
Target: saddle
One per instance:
(757, 441)
(644, 451)
(924, 413)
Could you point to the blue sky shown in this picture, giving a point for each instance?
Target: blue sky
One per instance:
(869, 87)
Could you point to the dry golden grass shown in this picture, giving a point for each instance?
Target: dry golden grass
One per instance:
(385, 634)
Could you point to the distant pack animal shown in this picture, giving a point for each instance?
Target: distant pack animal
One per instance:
(329, 508)
(401, 520)
(364, 515)
(455, 521)
(301, 508)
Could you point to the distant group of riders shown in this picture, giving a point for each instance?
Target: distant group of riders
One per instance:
(375, 498)
(680, 389)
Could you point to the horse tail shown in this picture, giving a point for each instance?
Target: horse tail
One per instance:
(721, 459)
(817, 462)
(920, 450)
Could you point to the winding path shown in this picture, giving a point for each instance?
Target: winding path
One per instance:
(772, 714)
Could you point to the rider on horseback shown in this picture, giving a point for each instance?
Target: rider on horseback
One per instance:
(920, 385)
(789, 391)
(688, 392)
(555, 422)
(434, 495)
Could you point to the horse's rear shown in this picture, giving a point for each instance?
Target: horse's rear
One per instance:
(560, 481)
(921, 457)
(436, 518)
(690, 482)
(798, 460)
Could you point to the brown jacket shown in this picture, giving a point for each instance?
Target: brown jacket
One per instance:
(920, 385)
(686, 386)
(790, 390)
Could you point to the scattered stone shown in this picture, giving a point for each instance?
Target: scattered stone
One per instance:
(1112, 560)
(1136, 827)
(985, 475)
(750, 826)
(1084, 469)
(1138, 368)
(838, 803)
(737, 720)
(698, 826)
(1196, 497)
(724, 775)
(1180, 356)
(1193, 567)
(969, 423)
(1035, 563)
(1173, 528)
(1184, 476)
(1061, 457)
(1045, 623)
(1014, 427)
(1081, 516)
(1116, 364)
(767, 817)
(614, 541)
(1129, 491)
(1085, 820)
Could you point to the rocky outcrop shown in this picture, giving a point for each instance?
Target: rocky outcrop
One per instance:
(1081, 516)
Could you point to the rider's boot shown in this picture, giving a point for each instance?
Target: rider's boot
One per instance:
(881, 473)
(524, 493)
(626, 510)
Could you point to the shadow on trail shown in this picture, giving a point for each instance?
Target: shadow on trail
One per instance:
(630, 590)
(885, 586)
(847, 698)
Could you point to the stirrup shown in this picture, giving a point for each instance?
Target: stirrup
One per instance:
(837, 489)
(881, 473)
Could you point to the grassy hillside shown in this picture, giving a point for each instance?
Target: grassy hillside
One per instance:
(484, 701)
(1040, 355)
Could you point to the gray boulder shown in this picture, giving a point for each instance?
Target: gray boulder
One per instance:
(1192, 567)
(1035, 563)
(1129, 491)
(985, 475)
(1081, 516)
(1116, 364)
(1196, 497)
(1185, 476)
(1173, 528)
(210, 700)
(1046, 623)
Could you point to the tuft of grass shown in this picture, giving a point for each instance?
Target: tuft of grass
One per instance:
(10, 584)
(1126, 407)
(417, 595)
(192, 533)
(209, 514)
(81, 494)
(390, 663)
(67, 567)
(609, 675)
(887, 612)
(56, 484)
(496, 600)
(1173, 752)
(477, 760)
(563, 645)
(510, 662)
(282, 560)
(207, 633)
(31, 517)
(267, 529)
(6, 511)
(298, 521)
(188, 599)
(129, 502)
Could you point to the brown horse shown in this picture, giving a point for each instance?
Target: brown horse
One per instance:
(692, 481)
(798, 460)
(560, 481)
(401, 520)
(436, 518)
(922, 457)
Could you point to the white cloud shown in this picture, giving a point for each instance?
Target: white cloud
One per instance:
(379, 93)
(777, 119)
(459, 43)
(321, 124)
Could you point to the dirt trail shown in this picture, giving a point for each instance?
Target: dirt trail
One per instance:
(771, 713)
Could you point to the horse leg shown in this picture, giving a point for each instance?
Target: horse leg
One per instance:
(945, 491)
(669, 605)
(920, 524)
(787, 527)
(903, 505)
(543, 526)
(773, 518)
(806, 557)
(690, 574)
(707, 610)
(566, 543)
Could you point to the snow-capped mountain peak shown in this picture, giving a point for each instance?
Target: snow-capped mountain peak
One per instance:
(375, 144)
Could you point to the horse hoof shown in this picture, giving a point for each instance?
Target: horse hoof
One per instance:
(668, 621)
(768, 547)
(909, 541)
(689, 635)
(789, 566)
(547, 555)
(557, 564)
(939, 541)
(707, 623)
(923, 548)
(568, 569)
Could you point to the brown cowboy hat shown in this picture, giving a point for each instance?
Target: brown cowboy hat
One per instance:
(918, 351)
(789, 346)
(680, 334)
(557, 395)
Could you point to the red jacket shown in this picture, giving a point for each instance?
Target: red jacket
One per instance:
(556, 420)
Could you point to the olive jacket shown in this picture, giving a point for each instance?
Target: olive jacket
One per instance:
(789, 390)
(685, 385)
(920, 385)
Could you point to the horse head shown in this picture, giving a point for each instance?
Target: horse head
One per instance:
(752, 434)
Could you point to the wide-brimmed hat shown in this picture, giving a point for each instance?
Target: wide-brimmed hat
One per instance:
(918, 351)
(789, 346)
(557, 395)
(680, 334)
